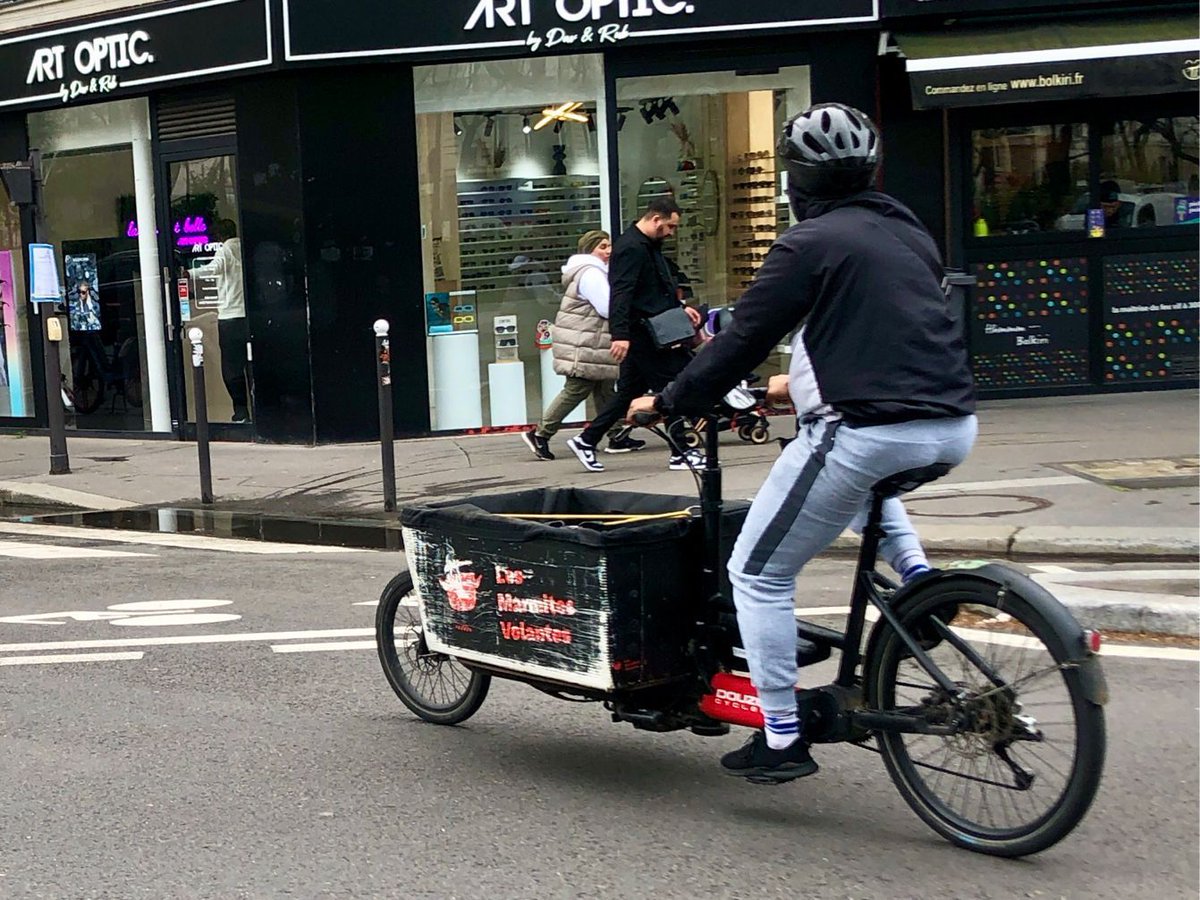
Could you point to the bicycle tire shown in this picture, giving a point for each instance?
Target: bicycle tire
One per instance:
(457, 702)
(993, 716)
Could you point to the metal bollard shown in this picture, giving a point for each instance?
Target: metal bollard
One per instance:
(196, 336)
(387, 437)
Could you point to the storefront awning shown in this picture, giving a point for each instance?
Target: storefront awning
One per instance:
(1053, 61)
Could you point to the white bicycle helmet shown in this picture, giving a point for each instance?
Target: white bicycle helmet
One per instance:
(830, 150)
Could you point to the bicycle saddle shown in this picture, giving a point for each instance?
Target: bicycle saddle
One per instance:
(910, 479)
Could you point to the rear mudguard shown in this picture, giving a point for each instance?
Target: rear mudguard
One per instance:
(994, 579)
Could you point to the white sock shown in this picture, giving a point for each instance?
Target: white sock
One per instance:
(782, 729)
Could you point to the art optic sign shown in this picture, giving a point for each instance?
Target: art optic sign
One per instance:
(332, 29)
(81, 61)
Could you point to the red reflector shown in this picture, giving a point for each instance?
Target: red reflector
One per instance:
(1091, 639)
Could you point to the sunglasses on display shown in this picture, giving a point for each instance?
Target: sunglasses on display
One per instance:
(749, 170)
(506, 342)
(755, 154)
(463, 320)
(751, 185)
(465, 308)
(506, 329)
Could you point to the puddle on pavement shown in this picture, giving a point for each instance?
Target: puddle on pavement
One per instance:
(217, 523)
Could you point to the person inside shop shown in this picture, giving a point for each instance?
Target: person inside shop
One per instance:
(642, 288)
(232, 333)
(868, 407)
(582, 347)
(1117, 213)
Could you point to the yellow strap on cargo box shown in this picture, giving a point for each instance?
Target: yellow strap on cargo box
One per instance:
(606, 518)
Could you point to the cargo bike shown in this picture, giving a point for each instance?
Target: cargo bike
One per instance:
(980, 691)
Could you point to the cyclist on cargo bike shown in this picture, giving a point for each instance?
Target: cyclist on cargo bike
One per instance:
(879, 379)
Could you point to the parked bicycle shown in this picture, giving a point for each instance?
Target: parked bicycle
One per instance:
(980, 691)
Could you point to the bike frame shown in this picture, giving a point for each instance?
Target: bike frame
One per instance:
(866, 592)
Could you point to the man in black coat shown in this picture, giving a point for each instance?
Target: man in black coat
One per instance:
(642, 287)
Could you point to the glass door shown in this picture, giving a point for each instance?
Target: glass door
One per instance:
(707, 139)
(204, 249)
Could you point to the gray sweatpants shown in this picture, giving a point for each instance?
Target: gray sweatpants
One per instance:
(820, 485)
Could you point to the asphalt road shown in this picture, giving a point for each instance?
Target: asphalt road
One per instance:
(231, 769)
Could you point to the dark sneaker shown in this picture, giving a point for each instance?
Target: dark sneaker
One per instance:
(586, 454)
(760, 764)
(623, 443)
(693, 459)
(538, 444)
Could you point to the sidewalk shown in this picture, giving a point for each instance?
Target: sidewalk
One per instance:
(1108, 479)
(1023, 493)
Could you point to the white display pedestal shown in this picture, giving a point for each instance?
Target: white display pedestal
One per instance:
(506, 393)
(552, 383)
(457, 397)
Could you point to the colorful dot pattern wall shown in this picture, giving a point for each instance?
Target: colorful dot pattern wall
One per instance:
(1150, 317)
(1029, 323)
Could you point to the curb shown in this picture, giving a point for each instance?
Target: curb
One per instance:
(21, 494)
(1020, 543)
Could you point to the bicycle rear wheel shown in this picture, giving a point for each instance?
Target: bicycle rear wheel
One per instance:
(1026, 759)
(436, 687)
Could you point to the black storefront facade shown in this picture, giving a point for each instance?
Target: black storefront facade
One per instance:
(342, 163)
(1029, 114)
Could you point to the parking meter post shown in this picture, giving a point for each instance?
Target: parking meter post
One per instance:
(52, 332)
(387, 437)
(196, 336)
(23, 183)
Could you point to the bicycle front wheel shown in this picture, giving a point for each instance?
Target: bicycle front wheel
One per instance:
(436, 687)
(1025, 759)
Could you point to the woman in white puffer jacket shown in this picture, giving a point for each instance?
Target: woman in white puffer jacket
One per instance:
(582, 347)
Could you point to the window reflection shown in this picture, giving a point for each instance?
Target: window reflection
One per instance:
(1149, 173)
(1029, 179)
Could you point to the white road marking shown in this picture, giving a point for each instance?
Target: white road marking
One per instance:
(969, 487)
(143, 612)
(1138, 651)
(169, 619)
(22, 550)
(186, 639)
(185, 541)
(328, 645)
(1049, 569)
(67, 658)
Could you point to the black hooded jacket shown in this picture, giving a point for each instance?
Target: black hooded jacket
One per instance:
(878, 341)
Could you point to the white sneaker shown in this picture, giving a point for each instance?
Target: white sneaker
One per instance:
(586, 455)
(693, 460)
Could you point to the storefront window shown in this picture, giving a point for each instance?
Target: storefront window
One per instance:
(1029, 179)
(510, 156)
(708, 139)
(97, 176)
(16, 381)
(1149, 172)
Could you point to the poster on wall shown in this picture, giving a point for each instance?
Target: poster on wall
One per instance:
(83, 291)
(14, 362)
(1029, 324)
(8, 313)
(1151, 318)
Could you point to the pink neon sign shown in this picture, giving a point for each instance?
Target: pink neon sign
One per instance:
(191, 230)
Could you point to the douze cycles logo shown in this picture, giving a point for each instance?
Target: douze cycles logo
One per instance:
(516, 13)
(94, 60)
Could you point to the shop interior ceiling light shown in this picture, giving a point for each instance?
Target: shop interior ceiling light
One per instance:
(567, 112)
(525, 126)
